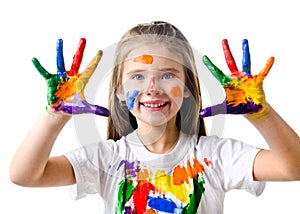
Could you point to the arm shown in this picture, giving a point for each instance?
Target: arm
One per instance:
(245, 95)
(31, 165)
(282, 161)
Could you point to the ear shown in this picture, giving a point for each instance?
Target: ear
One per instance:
(120, 93)
(186, 92)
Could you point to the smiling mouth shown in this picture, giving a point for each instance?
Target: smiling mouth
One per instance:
(155, 105)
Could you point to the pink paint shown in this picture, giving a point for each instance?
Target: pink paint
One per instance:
(152, 85)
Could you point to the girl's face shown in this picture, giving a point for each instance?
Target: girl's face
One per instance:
(153, 88)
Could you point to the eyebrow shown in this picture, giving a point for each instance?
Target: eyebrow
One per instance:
(162, 69)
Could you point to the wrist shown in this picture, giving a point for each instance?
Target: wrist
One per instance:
(264, 112)
(57, 117)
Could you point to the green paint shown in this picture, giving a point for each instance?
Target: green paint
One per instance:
(53, 81)
(218, 74)
(125, 189)
(195, 197)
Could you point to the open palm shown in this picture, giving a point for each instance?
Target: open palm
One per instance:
(244, 92)
(66, 88)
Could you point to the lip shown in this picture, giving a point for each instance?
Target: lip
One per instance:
(154, 105)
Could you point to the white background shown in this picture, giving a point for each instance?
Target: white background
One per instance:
(30, 29)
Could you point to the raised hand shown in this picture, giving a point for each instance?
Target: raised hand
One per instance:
(244, 92)
(66, 88)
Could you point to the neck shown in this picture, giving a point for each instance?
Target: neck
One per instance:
(160, 139)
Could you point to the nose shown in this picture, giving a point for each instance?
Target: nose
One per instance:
(152, 87)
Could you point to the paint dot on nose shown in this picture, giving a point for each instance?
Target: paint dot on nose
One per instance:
(176, 91)
(146, 59)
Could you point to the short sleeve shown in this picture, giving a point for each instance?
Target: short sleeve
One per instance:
(234, 162)
(90, 164)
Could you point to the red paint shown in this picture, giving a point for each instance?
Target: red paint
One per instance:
(207, 162)
(230, 60)
(77, 58)
(140, 196)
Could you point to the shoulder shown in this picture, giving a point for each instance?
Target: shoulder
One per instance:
(217, 146)
(101, 150)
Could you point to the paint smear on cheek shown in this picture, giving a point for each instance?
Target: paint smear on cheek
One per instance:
(146, 59)
(176, 91)
(130, 98)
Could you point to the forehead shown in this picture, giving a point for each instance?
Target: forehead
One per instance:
(150, 62)
(154, 50)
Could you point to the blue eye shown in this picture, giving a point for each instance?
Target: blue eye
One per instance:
(168, 76)
(138, 77)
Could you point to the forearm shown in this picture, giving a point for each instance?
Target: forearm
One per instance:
(283, 141)
(29, 162)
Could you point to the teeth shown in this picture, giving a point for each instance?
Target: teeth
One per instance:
(153, 105)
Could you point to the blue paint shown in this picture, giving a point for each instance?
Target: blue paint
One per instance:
(246, 58)
(163, 205)
(130, 98)
(60, 60)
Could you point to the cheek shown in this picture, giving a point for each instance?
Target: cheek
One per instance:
(177, 91)
(130, 98)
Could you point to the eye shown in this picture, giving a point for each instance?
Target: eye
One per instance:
(168, 76)
(138, 77)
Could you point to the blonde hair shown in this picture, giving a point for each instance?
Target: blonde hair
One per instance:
(121, 122)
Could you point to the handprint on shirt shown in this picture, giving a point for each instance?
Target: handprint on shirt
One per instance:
(66, 88)
(244, 92)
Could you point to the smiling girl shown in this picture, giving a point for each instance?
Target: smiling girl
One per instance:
(157, 157)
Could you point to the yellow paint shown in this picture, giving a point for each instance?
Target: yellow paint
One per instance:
(164, 184)
(241, 90)
(146, 59)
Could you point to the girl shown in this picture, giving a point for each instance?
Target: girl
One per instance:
(157, 158)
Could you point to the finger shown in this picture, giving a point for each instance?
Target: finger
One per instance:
(40, 68)
(84, 108)
(60, 59)
(264, 72)
(229, 59)
(85, 76)
(218, 74)
(77, 58)
(99, 110)
(246, 58)
(214, 110)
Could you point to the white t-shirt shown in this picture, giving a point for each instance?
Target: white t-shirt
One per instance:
(192, 178)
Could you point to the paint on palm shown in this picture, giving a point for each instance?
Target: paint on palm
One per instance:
(154, 191)
(65, 89)
(244, 92)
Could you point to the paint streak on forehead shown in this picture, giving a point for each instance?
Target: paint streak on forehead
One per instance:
(146, 59)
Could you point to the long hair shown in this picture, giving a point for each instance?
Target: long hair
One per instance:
(121, 122)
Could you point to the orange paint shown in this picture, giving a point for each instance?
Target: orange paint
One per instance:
(198, 167)
(146, 59)
(150, 211)
(67, 89)
(143, 175)
(176, 91)
(180, 175)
